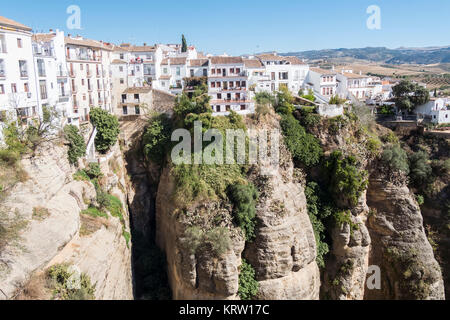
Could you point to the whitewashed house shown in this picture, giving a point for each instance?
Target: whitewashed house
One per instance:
(228, 86)
(437, 110)
(323, 83)
(52, 74)
(289, 72)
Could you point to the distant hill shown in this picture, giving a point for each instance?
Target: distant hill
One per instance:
(429, 55)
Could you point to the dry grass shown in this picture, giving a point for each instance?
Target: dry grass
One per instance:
(90, 225)
(36, 289)
(11, 226)
(40, 213)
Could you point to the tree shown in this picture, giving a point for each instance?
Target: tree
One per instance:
(77, 146)
(244, 198)
(183, 44)
(284, 101)
(157, 138)
(107, 129)
(305, 148)
(409, 95)
(421, 171)
(395, 159)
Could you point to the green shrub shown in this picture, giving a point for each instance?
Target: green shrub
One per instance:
(62, 283)
(81, 175)
(308, 118)
(248, 286)
(420, 200)
(318, 214)
(9, 157)
(107, 129)
(244, 199)
(94, 212)
(115, 207)
(93, 171)
(284, 102)
(77, 146)
(336, 100)
(395, 159)
(373, 146)
(156, 138)
(305, 148)
(346, 181)
(217, 240)
(390, 138)
(420, 169)
(264, 99)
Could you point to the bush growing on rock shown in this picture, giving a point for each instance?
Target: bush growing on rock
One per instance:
(248, 286)
(346, 181)
(420, 169)
(107, 129)
(244, 199)
(77, 146)
(61, 282)
(395, 159)
(156, 138)
(305, 148)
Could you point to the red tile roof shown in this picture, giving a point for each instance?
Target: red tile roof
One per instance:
(227, 60)
(13, 24)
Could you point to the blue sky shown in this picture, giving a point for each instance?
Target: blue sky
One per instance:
(245, 26)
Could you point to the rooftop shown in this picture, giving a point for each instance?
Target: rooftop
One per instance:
(227, 60)
(13, 24)
(252, 63)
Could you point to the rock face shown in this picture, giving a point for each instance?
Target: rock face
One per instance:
(104, 255)
(200, 275)
(283, 253)
(399, 245)
(346, 269)
(284, 250)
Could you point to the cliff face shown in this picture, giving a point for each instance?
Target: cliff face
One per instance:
(346, 267)
(399, 245)
(54, 236)
(199, 275)
(283, 252)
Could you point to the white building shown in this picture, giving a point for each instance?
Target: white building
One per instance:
(18, 92)
(228, 86)
(437, 110)
(354, 84)
(323, 83)
(52, 77)
(89, 64)
(289, 72)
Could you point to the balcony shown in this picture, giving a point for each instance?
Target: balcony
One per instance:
(2, 74)
(23, 74)
(229, 75)
(89, 74)
(90, 88)
(230, 101)
(74, 89)
(72, 73)
(62, 74)
(229, 89)
(98, 74)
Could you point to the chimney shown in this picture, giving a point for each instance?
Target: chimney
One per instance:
(145, 44)
(360, 73)
(51, 30)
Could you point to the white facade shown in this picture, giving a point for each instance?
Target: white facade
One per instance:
(323, 83)
(18, 92)
(438, 110)
(228, 86)
(89, 63)
(52, 78)
(289, 72)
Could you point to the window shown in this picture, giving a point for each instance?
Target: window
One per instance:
(19, 43)
(178, 71)
(217, 108)
(227, 108)
(122, 81)
(124, 110)
(41, 67)
(23, 68)
(283, 75)
(121, 56)
(82, 82)
(124, 98)
(2, 89)
(213, 84)
(26, 87)
(243, 107)
(81, 67)
(192, 72)
(136, 97)
(137, 110)
(213, 71)
(238, 70)
(165, 70)
(43, 89)
(2, 68)
(219, 96)
(205, 72)
(121, 69)
(13, 88)
(232, 70)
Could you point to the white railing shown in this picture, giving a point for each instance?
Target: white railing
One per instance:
(90, 148)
